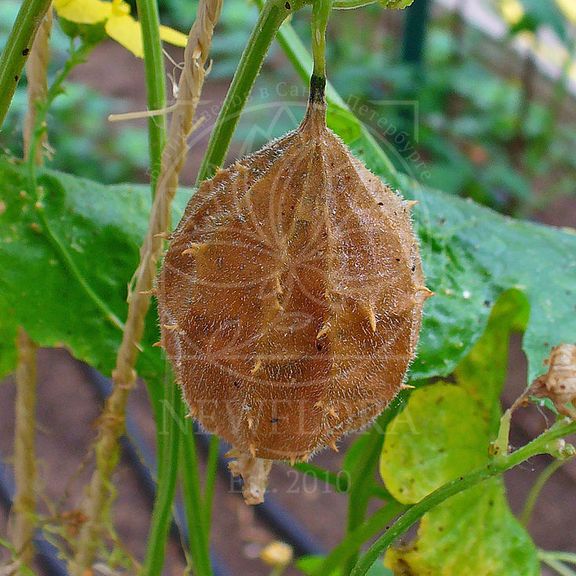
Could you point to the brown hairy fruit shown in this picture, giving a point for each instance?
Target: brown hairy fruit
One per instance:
(291, 296)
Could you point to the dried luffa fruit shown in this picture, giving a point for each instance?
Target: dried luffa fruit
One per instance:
(290, 298)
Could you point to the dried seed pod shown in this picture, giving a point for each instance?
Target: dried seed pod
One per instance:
(291, 295)
(559, 383)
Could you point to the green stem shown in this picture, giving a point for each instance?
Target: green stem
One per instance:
(320, 14)
(352, 4)
(167, 477)
(155, 83)
(534, 493)
(270, 19)
(302, 61)
(569, 557)
(558, 567)
(351, 544)
(363, 477)
(497, 466)
(17, 48)
(272, 15)
(193, 506)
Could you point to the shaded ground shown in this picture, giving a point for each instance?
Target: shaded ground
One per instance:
(68, 409)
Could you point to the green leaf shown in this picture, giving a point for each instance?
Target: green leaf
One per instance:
(471, 534)
(438, 437)
(483, 372)
(444, 433)
(67, 257)
(471, 255)
(8, 330)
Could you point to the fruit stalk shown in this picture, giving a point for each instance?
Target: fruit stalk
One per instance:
(24, 451)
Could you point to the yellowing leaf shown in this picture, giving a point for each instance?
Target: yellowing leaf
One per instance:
(83, 11)
(443, 433)
(173, 36)
(126, 31)
(471, 534)
(439, 436)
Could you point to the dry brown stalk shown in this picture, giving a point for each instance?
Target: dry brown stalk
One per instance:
(36, 72)
(24, 523)
(100, 491)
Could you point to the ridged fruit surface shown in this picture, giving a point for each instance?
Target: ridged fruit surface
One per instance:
(291, 296)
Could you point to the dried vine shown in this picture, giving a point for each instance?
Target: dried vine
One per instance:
(124, 375)
(24, 451)
(25, 410)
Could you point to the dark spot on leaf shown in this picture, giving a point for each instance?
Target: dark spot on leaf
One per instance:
(274, 420)
(287, 6)
(237, 384)
(26, 51)
(487, 303)
(16, 78)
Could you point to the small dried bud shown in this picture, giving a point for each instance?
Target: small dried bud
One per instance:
(291, 296)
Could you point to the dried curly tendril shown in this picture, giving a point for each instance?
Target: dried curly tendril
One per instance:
(291, 297)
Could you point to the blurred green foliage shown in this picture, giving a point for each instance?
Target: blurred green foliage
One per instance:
(79, 133)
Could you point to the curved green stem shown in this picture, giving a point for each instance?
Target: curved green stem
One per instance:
(270, 19)
(155, 83)
(534, 493)
(569, 557)
(558, 567)
(352, 4)
(349, 546)
(497, 466)
(17, 49)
